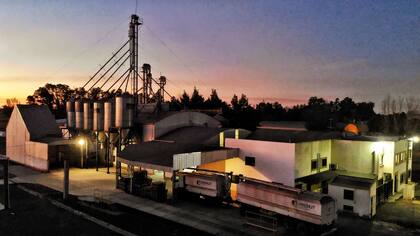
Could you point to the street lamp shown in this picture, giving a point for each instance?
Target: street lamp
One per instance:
(415, 139)
(81, 143)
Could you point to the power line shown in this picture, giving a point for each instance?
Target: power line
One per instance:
(169, 49)
(88, 48)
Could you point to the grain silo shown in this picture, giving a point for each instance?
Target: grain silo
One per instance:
(124, 111)
(109, 115)
(98, 116)
(78, 107)
(71, 116)
(87, 115)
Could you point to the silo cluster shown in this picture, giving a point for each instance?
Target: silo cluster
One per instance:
(101, 116)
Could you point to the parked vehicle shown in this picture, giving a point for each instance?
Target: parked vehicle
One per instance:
(307, 212)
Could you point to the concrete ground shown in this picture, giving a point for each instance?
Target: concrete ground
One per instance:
(89, 184)
(402, 212)
(216, 219)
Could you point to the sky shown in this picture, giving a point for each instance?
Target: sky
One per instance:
(283, 51)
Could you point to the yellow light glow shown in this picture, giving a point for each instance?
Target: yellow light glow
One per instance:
(379, 147)
(81, 142)
(415, 139)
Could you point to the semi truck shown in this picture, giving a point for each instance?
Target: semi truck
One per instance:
(304, 211)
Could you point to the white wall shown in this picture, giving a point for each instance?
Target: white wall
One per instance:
(20, 149)
(361, 202)
(357, 156)
(308, 151)
(16, 136)
(274, 161)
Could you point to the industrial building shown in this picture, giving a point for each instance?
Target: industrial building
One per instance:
(34, 139)
(153, 149)
(317, 160)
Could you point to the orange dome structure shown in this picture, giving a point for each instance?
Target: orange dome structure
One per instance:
(351, 128)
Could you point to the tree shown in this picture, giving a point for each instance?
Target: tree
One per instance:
(235, 102)
(213, 101)
(197, 100)
(243, 102)
(185, 100)
(317, 114)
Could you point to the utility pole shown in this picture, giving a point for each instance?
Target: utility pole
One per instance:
(5, 162)
(66, 179)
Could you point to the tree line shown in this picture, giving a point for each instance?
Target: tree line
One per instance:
(317, 113)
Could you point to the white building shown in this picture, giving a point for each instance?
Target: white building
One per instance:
(354, 194)
(33, 137)
(310, 160)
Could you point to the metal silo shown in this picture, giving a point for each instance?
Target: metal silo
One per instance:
(98, 116)
(130, 111)
(124, 111)
(78, 107)
(87, 115)
(109, 115)
(71, 116)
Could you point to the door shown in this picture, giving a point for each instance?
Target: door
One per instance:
(396, 182)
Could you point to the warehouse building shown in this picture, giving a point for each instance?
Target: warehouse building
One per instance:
(34, 139)
(173, 142)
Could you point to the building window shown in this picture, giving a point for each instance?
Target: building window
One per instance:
(381, 160)
(250, 161)
(314, 164)
(348, 194)
(324, 162)
(402, 178)
(348, 208)
(397, 159)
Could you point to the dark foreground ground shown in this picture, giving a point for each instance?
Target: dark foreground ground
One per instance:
(31, 215)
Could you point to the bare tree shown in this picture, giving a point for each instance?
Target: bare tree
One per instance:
(11, 102)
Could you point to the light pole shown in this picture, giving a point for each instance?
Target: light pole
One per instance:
(81, 143)
(414, 139)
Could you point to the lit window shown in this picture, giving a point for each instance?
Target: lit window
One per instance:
(314, 164)
(348, 194)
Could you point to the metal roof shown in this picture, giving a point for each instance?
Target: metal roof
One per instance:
(160, 152)
(294, 136)
(288, 136)
(39, 121)
(353, 182)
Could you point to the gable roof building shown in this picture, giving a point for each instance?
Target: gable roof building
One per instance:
(31, 136)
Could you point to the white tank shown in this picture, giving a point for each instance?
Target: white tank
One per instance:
(124, 111)
(98, 116)
(87, 115)
(71, 116)
(78, 107)
(109, 115)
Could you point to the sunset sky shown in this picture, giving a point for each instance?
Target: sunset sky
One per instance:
(282, 51)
